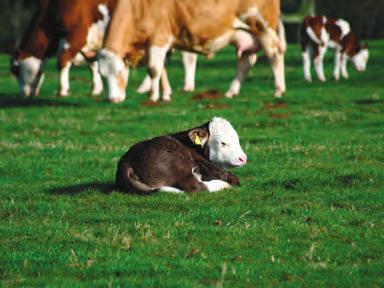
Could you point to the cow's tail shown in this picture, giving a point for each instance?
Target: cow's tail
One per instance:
(282, 36)
(128, 181)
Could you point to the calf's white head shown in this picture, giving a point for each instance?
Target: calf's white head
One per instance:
(222, 143)
(29, 74)
(360, 59)
(115, 75)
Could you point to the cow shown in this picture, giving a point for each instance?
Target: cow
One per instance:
(72, 30)
(318, 33)
(144, 28)
(190, 161)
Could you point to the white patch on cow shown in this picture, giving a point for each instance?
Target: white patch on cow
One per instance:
(360, 60)
(79, 59)
(319, 61)
(324, 36)
(157, 56)
(244, 64)
(344, 61)
(216, 185)
(312, 35)
(30, 71)
(97, 83)
(189, 63)
(344, 27)
(336, 69)
(224, 145)
(145, 85)
(64, 80)
(97, 30)
(169, 189)
(307, 64)
(114, 73)
(324, 20)
(63, 44)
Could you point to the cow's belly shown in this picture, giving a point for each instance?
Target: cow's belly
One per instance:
(208, 47)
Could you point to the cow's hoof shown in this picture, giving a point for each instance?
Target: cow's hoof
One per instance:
(63, 94)
(116, 100)
(229, 94)
(279, 93)
(189, 89)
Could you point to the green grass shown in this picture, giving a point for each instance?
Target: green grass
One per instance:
(309, 211)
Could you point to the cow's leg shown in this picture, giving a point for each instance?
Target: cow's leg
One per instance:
(244, 64)
(155, 68)
(307, 63)
(318, 62)
(192, 184)
(167, 89)
(145, 86)
(270, 42)
(344, 60)
(189, 62)
(216, 185)
(64, 78)
(97, 83)
(336, 69)
(68, 49)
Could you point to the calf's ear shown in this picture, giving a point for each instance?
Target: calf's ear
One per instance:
(198, 136)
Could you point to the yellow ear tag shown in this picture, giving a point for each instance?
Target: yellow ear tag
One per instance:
(198, 140)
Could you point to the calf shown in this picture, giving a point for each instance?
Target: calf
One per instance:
(192, 161)
(320, 32)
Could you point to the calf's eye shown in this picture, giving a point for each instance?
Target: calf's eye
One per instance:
(223, 144)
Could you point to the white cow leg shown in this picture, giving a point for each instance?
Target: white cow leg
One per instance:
(189, 62)
(244, 64)
(156, 65)
(216, 185)
(145, 86)
(39, 83)
(318, 61)
(167, 89)
(307, 64)
(97, 83)
(344, 60)
(336, 69)
(278, 68)
(64, 80)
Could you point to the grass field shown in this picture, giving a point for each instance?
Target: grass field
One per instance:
(310, 211)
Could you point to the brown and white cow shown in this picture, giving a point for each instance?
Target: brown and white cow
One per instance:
(143, 27)
(68, 29)
(320, 32)
(190, 161)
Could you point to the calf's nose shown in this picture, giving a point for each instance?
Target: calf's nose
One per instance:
(243, 160)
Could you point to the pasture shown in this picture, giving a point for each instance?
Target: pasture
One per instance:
(310, 211)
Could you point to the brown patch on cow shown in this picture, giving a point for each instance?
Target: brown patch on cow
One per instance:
(121, 82)
(207, 95)
(216, 106)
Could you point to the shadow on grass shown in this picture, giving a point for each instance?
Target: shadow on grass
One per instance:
(16, 101)
(103, 187)
(369, 101)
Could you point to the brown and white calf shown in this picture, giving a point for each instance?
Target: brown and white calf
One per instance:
(320, 32)
(190, 161)
(68, 29)
(153, 27)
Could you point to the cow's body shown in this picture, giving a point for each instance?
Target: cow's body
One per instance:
(143, 27)
(71, 29)
(191, 161)
(319, 33)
